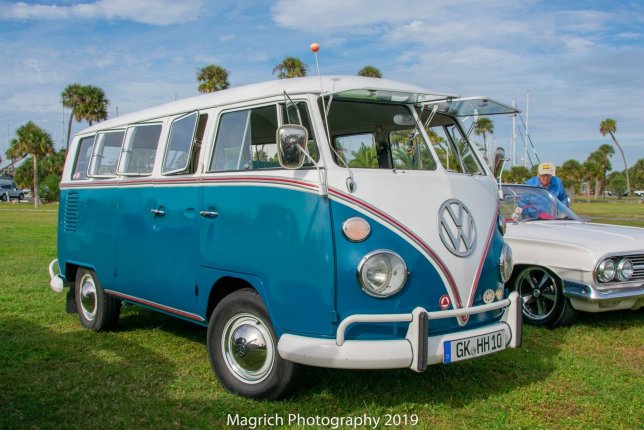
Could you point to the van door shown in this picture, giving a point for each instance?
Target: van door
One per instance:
(260, 220)
(160, 230)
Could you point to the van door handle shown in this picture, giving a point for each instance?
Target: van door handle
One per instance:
(157, 212)
(209, 214)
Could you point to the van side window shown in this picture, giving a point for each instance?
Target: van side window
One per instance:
(83, 156)
(184, 144)
(105, 155)
(246, 140)
(300, 116)
(140, 149)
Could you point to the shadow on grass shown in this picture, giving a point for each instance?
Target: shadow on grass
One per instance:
(53, 379)
(454, 385)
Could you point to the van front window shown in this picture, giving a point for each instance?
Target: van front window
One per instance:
(386, 136)
(377, 136)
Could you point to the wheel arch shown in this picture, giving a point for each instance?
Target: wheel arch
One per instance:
(518, 268)
(226, 285)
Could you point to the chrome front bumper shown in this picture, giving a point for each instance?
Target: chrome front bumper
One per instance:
(416, 351)
(590, 293)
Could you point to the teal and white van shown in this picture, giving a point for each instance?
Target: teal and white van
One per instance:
(342, 222)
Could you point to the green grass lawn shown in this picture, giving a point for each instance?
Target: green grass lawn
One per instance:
(612, 211)
(153, 371)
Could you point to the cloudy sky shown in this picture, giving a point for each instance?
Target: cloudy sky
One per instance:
(576, 61)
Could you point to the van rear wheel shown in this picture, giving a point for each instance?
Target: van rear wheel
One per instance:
(242, 347)
(97, 311)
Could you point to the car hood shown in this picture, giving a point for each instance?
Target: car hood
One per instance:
(570, 243)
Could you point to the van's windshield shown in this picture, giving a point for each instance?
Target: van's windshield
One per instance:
(376, 135)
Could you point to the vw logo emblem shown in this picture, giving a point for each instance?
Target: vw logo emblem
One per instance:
(457, 228)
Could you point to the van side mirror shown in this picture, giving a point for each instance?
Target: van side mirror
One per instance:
(291, 145)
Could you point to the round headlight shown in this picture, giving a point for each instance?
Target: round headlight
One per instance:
(624, 269)
(505, 263)
(606, 270)
(382, 273)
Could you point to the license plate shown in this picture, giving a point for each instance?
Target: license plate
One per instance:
(475, 346)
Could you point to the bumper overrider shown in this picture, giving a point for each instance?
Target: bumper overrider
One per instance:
(56, 281)
(416, 351)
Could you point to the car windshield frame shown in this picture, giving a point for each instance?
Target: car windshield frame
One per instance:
(530, 203)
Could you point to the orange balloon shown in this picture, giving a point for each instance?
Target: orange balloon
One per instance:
(315, 47)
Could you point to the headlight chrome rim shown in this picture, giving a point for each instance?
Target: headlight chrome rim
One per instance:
(502, 224)
(506, 264)
(394, 276)
(624, 270)
(606, 270)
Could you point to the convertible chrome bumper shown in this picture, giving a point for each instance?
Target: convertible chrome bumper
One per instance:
(592, 293)
(592, 298)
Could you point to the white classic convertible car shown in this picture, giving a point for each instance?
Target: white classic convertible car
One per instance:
(564, 264)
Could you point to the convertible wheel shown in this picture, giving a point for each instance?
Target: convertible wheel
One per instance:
(96, 310)
(542, 299)
(242, 347)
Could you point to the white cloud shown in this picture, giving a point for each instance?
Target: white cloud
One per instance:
(154, 12)
(357, 15)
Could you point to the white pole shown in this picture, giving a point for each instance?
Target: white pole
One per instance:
(514, 135)
(527, 134)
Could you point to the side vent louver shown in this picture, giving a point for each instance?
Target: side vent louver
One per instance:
(70, 220)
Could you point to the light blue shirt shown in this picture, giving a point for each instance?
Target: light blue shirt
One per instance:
(555, 187)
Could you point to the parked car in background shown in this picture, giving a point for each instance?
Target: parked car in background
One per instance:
(639, 193)
(8, 191)
(563, 264)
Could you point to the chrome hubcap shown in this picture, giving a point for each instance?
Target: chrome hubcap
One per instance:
(88, 297)
(248, 348)
(538, 291)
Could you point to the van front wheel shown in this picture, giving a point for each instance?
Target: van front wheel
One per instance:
(96, 310)
(242, 347)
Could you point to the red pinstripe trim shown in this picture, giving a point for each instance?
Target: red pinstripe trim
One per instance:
(156, 306)
(263, 179)
(195, 181)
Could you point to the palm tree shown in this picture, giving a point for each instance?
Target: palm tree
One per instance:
(482, 126)
(86, 102)
(31, 140)
(71, 98)
(291, 67)
(370, 72)
(601, 159)
(572, 171)
(365, 157)
(213, 78)
(94, 104)
(609, 126)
